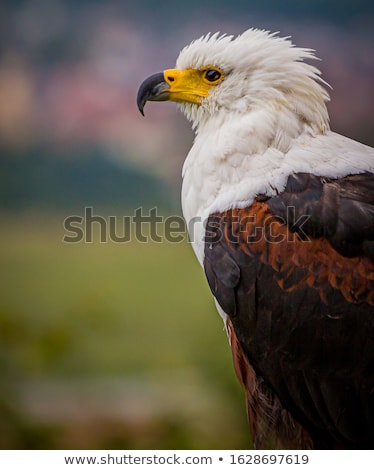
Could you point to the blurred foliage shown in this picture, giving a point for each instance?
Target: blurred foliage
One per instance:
(110, 346)
(75, 178)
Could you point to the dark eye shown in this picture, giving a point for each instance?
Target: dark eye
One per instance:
(212, 75)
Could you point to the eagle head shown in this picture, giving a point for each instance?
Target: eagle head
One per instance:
(222, 75)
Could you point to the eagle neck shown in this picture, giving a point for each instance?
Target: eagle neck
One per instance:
(232, 159)
(231, 148)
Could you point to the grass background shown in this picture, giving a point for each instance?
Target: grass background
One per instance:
(110, 345)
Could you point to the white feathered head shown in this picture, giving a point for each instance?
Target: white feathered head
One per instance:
(226, 74)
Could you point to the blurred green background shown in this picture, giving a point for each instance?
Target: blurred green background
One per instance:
(118, 345)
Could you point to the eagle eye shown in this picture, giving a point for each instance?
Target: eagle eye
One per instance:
(212, 75)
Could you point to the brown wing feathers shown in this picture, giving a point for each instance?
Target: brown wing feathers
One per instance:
(257, 233)
(299, 293)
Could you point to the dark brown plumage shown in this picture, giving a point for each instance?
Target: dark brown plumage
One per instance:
(295, 274)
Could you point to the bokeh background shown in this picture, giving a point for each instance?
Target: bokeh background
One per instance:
(118, 345)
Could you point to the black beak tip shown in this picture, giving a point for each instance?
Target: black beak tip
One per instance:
(149, 90)
(141, 108)
(140, 101)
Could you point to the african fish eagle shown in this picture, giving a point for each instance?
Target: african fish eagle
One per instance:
(285, 234)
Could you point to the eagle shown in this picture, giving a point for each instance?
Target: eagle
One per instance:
(280, 211)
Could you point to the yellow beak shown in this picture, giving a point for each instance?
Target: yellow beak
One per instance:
(173, 85)
(186, 85)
